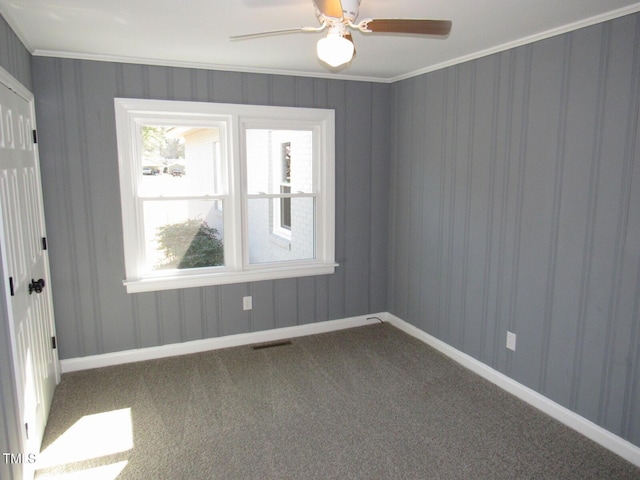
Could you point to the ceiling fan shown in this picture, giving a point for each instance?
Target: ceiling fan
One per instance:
(338, 16)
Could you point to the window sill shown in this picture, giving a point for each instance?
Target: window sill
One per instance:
(152, 284)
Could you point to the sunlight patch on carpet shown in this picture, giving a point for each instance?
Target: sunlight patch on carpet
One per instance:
(104, 472)
(93, 436)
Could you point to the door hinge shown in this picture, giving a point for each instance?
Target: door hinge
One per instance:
(53, 343)
(35, 136)
(44, 243)
(13, 293)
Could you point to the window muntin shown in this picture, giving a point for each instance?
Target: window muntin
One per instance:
(225, 193)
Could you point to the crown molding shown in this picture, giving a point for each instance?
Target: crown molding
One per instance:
(570, 27)
(203, 66)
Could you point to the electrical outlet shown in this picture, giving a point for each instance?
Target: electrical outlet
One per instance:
(511, 341)
(247, 303)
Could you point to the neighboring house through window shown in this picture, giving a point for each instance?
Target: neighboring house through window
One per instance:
(285, 187)
(222, 193)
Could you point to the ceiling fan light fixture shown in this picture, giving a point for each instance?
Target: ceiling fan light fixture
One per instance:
(335, 50)
(339, 16)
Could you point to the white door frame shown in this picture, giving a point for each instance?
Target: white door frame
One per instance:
(15, 86)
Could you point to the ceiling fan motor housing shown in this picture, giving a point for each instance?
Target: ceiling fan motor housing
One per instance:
(327, 11)
(350, 9)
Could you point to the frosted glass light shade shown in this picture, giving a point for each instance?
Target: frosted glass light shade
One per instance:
(335, 50)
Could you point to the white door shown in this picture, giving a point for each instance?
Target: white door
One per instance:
(25, 263)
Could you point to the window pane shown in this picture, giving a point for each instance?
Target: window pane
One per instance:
(279, 157)
(180, 161)
(183, 234)
(269, 242)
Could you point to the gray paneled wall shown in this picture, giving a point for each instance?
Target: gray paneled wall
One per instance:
(15, 59)
(515, 205)
(94, 314)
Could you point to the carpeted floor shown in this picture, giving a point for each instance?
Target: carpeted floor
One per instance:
(365, 403)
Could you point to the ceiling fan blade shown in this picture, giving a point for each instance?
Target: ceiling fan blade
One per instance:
(413, 26)
(329, 8)
(278, 32)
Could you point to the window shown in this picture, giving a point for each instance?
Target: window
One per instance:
(222, 193)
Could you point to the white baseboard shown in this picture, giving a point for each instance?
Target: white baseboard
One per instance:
(616, 444)
(196, 346)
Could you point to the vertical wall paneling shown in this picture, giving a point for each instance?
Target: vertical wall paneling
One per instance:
(414, 212)
(337, 99)
(357, 188)
(631, 281)
(393, 192)
(169, 308)
(71, 331)
(507, 85)
(584, 350)
(263, 317)
(258, 89)
(306, 300)
(147, 321)
(379, 200)
(75, 172)
(616, 366)
(560, 150)
(89, 245)
(451, 118)
(80, 174)
(467, 189)
(579, 125)
(479, 188)
(422, 262)
(525, 170)
(193, 314)
(440, 111)
(519, 153)
(536, 159)
(14, 57)
(399, 223)
(430, 232)
(233, 319)
(630, 412)
(322, 297)
(226, 87)
(286, 302)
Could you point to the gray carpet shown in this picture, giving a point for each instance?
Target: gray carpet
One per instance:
(365, 403)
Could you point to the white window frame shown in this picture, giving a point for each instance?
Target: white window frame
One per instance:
(130, 114)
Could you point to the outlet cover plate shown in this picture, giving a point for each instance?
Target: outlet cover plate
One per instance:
(247, 303)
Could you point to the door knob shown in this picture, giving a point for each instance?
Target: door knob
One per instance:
(36, 286)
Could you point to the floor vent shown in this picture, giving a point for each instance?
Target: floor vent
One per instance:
(271, 345)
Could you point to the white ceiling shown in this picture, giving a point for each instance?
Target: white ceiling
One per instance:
(194, 33)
